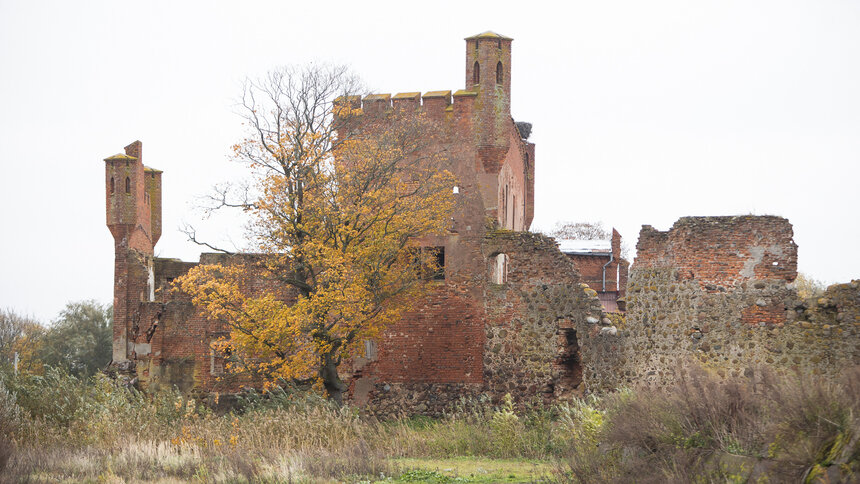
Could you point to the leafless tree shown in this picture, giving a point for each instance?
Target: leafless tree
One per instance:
(580, 230)
(291, 117)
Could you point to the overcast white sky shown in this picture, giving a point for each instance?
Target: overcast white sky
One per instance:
(643, 112)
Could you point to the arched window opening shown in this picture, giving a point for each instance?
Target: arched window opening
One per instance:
(476, 73)
(499, 74)
(112, 185)
(127, 185)
(499, 269)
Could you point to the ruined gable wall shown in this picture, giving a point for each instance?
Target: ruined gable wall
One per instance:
(717, 290)
(546, 333)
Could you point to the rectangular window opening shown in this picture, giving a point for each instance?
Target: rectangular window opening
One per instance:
(439, 254)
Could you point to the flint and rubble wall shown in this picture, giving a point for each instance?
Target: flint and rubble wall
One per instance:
(717, 290)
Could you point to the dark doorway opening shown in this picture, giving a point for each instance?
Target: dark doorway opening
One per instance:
(571, 366)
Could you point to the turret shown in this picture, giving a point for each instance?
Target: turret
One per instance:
(488, 72)
(133, 211)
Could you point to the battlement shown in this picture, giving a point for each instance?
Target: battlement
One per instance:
(437, 105)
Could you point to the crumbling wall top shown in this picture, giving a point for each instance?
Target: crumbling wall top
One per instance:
(722, 251)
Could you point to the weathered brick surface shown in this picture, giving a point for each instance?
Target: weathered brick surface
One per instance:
(440, 341)
(722, 251)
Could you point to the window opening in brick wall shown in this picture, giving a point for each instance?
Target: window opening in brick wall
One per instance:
(127, 185)
(216, 363)
(112, 185)
(429, 262)
(370, 349)
(439, 258)
(500, 269)
(476, 73)
(499, 74)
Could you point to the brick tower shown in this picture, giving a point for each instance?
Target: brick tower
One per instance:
(488, 72)
(133, 206)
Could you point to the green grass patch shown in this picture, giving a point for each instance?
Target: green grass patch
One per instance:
(470, 469)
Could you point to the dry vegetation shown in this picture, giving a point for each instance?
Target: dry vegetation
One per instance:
(59, 428)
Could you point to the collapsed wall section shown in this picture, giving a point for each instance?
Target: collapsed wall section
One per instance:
(718, 290)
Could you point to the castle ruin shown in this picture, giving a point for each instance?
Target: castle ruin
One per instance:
(511, 313)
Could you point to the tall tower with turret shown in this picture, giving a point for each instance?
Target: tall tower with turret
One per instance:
(488, 72)
(133, 209)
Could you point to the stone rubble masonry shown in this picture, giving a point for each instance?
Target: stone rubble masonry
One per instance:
(718, 290)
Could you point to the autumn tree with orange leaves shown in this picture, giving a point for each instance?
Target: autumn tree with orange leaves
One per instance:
(337, 199)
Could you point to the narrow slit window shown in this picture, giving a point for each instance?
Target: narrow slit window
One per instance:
(499, 74)
(112, 185)
(476, 73)
(127, 185)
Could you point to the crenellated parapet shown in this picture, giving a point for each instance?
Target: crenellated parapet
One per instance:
(458, 107)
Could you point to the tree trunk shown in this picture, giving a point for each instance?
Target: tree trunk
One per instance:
(334, 386)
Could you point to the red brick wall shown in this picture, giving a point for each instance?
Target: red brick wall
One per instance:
(590, 267)
(722, 251)
(769, 314)
(440, 341)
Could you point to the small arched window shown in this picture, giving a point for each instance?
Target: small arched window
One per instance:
(476, 73)
(112, 185)
(499, 75)
(127, 185)
(499, 269)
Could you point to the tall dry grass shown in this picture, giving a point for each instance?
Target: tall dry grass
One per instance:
(768, 429)
(72, 430)
(58, 428)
